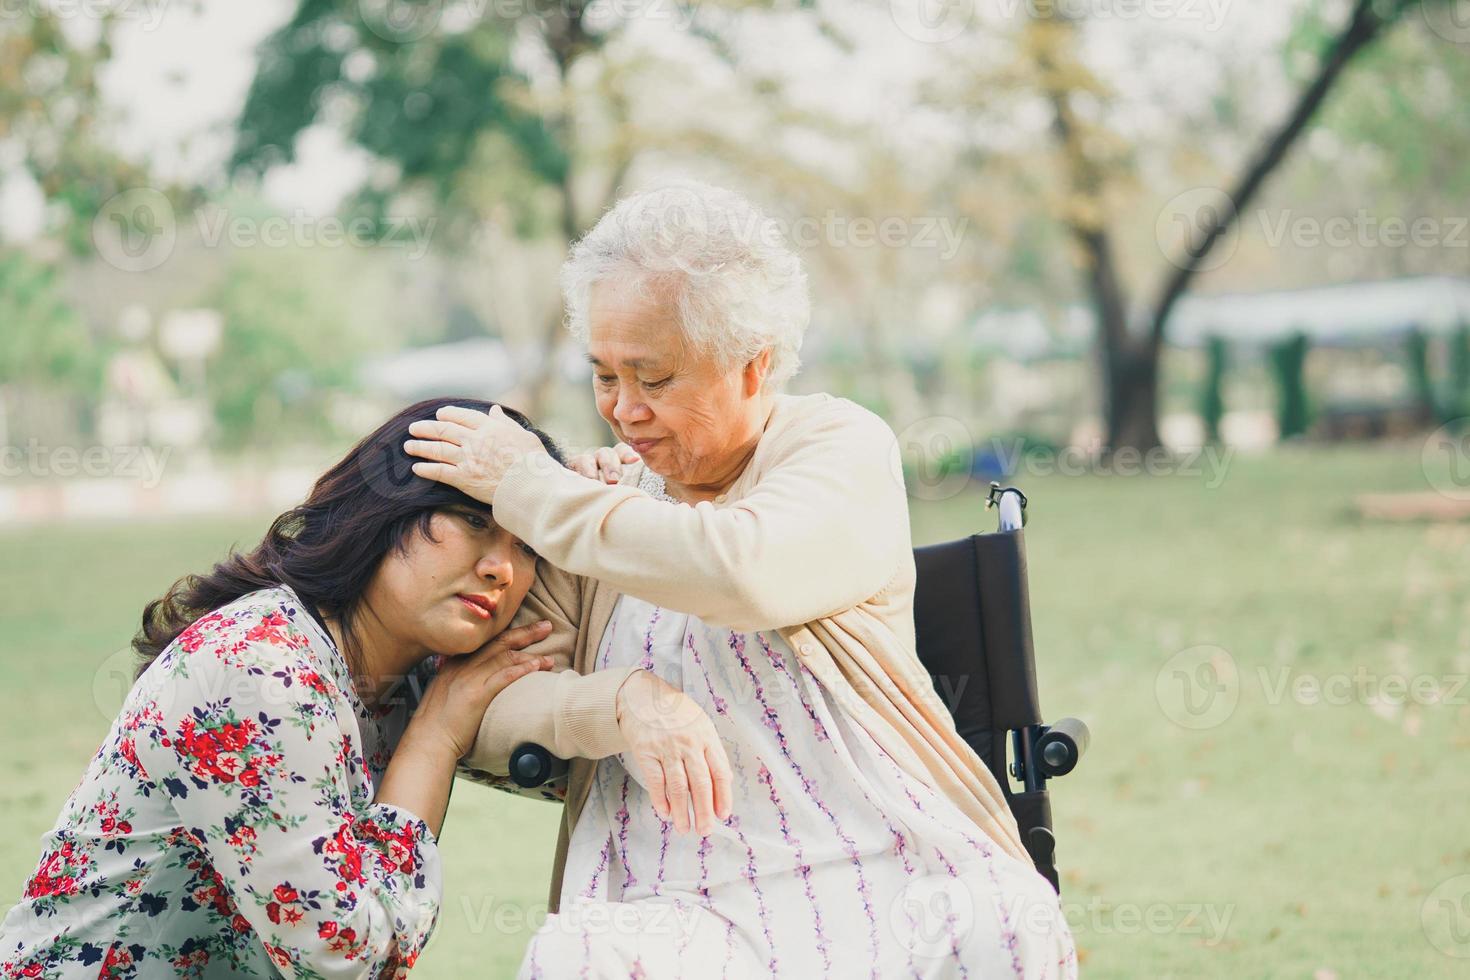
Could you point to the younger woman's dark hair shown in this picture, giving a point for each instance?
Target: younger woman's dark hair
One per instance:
(328, 548)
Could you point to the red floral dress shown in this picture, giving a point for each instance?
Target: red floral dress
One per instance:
(226, 827)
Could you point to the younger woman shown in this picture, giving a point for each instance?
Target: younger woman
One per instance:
(270, 795)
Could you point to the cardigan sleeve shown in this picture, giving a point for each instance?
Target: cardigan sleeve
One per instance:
(569, 714)
(824, 528)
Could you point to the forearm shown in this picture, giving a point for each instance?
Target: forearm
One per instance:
(800, 547)
(569, 714)
(418, 778)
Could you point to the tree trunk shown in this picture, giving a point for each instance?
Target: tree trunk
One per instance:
(1132, 381)
(1130, 366)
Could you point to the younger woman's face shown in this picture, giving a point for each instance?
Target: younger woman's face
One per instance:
(453, 593)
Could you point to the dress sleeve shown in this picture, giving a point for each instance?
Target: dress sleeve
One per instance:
(254, 747)
(823, 529)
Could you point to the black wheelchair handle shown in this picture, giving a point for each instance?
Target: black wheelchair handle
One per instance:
(530, 765)
(1061, 746)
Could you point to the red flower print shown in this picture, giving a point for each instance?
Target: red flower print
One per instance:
(327, 930)
(268, 629)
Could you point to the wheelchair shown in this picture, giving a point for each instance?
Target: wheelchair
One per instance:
(972, 623)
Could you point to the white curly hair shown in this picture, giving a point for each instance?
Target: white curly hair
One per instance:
(736, 286)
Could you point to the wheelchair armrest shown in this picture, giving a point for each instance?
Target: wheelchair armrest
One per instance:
(531, 765)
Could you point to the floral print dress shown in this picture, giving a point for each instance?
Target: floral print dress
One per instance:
(227, 828)
(834, 863)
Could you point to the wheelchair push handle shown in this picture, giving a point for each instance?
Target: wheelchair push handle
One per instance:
(1011, 503)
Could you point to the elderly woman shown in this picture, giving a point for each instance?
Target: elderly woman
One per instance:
(738, 616)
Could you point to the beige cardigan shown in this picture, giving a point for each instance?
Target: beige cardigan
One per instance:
(812, 541)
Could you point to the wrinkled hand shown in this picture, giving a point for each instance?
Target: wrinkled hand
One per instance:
(605, 464)
(675, 747)
(470, 450)
(455, 701)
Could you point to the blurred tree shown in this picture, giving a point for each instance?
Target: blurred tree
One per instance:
(1288, 366)
(451, 118)
(284, 350)
(1212, 396)
(52, 115)
(1093, 157)
(1416, 352)
(1457, 402)
(44, 345)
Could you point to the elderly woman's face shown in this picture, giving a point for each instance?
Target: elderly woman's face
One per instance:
(697, 417)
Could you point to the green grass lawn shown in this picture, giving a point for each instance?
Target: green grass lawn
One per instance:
(1282, 839)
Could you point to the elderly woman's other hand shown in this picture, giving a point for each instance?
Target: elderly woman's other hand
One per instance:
(605, 464)
(674, 746)
(469, 450)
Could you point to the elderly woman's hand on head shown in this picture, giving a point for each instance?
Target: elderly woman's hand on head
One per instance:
(469, 450)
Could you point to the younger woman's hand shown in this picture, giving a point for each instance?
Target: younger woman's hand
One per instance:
(675, 747)
(605, 464)
(455, 701)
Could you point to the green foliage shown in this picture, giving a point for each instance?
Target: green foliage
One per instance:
(1416, 352)
(433, 108)
(288, 346)
(1288, 360)
(52, 115)
(1457, 402)
(43, 340)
